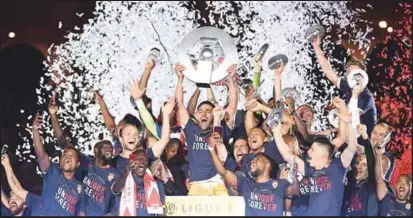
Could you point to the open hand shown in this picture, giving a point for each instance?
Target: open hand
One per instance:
(135, 91)
(53, 105)
(5, 160)
(362, 129)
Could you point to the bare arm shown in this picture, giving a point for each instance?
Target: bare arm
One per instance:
(182, 111)
(12, 179)
(342, 129)
(249, 121)
(229, 177)
(42, 156)
(285, 151)
(108, 119)
(4, 199)
(211, 96)
(325, 65)
(143, 83)
(159, 147)
(193, 101)
(57, 130)
(232, 92)
(277, 82)
(351, 149)
(380, 184)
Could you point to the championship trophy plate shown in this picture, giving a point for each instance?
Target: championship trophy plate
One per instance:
(206, 53)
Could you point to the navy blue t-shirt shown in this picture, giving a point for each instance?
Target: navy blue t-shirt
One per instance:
(271, 150)
(262, 199)
(231, 164)
(365, 102)
(61, 196)
(326, 188)
(141, 199)
(98, 182)
(34, 204)
(200, 162)
(389, 206)
(360, 200)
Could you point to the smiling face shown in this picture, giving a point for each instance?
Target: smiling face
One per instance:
(361, 168)
(69, 160)
(16, 204)
(204, 116)
(142, 163)
(241, 149)
(378, 134)
(129, 137)
(256, 139)
(403, 187)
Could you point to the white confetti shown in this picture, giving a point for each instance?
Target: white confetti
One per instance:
(60, 24)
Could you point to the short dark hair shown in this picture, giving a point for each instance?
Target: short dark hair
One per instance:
(101, 143)
(325, 142)
(356, 62)
(129, 119)
(74, 149)
(207, 103)
(273, 166)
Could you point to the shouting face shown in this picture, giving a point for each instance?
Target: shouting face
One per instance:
(259, 165)
(142, 163)
(240, 149)
(204, 116)
(69, 160)
(256, 139)
(16, 204)
(403, 187)
(129, 137)
(316, 153)
(105, 152)
(361, 167)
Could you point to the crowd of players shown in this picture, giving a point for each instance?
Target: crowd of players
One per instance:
(282, 169)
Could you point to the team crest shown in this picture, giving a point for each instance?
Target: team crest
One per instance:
(79, 188)
(407, 206)
(275, 184)
(111, 176)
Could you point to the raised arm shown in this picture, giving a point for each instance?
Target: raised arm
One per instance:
(211, 96)
(150, 64)
(182, 111)
(232, 93)
(4, 199)
(256, 79)
(108, 119)
(340, 139)
(57, 130)
(42, 156)
(229, 177)
(380, 183)
(322, 60)
(167, 110)
(277, 82)
(351, 149)
(284, 150)
(14, 183)
(145, 115)
(193, 101)
(294, 189)
(368, 150)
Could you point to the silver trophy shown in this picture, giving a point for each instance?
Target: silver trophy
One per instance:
(314, 31)
(155, 52)
(357, 76)
(206, 53)
(291, 92)
(276, 61)
(333, 117)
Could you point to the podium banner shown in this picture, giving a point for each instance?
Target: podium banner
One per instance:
(205, 206)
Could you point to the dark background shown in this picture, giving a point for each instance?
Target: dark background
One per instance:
(35, 24)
